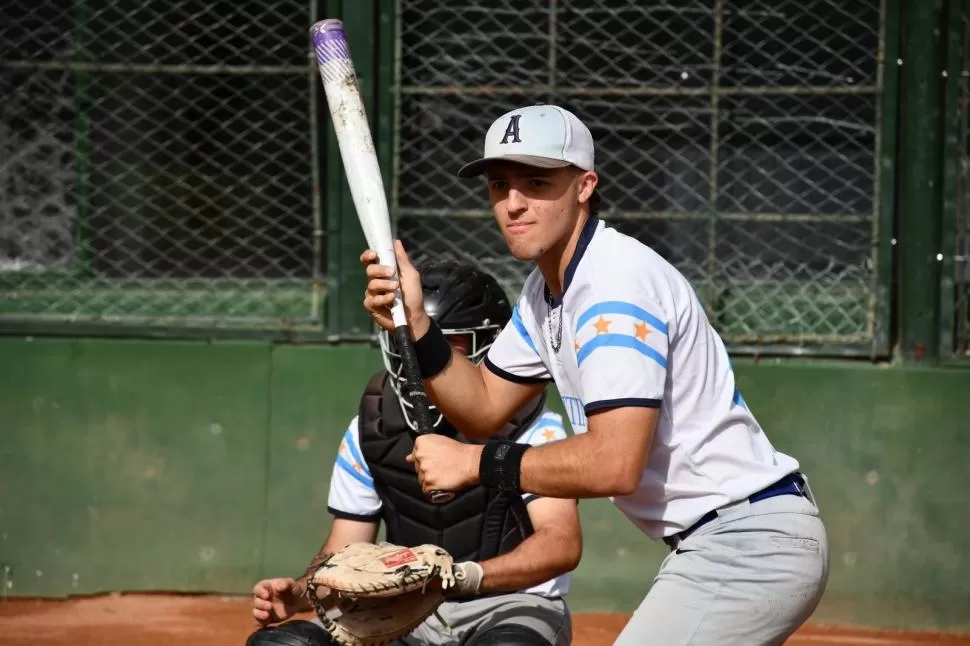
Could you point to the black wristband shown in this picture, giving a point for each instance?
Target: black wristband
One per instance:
(433, 352)
(500, 465)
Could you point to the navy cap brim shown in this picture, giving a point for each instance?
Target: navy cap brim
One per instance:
(479, 166)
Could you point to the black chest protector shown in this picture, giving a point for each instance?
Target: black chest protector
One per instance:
(477, 524)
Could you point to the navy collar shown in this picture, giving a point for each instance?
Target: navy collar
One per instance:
(585, 237)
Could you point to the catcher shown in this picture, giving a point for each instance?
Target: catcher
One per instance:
(509, 554)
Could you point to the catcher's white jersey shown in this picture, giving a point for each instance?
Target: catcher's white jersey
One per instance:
(630, 331)
(352, 493)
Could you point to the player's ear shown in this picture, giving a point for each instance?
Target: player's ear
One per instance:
(588, 180)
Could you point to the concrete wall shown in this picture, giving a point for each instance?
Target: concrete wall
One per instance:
(193, 466)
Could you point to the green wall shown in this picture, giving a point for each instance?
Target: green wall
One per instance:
(194, 466)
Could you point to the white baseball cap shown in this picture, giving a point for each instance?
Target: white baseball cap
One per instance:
(546, 136)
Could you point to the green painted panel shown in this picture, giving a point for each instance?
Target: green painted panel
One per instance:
(315, 393)
(131, 465)
(618, 563)
(886, 452)
(197, 466)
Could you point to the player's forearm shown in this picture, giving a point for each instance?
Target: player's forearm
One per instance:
(539, 558)
(459, 383)
(325, 552)
(452, 390)
(342, 532)
(581, 466)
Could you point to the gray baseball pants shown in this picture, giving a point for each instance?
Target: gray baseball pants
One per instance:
(750, 577)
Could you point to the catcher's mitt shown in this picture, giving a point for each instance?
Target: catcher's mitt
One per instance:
(379, 591)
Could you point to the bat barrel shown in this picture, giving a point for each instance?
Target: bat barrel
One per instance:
(354, 139)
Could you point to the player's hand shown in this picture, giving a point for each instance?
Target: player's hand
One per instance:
(444, 464)
(381, 286)
(276, 600)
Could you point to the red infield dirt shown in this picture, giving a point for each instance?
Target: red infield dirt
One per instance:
(165, 620)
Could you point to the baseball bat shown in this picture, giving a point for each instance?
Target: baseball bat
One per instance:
(367, 191)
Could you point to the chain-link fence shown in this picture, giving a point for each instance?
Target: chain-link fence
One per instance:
(739, 138)
(156, 163)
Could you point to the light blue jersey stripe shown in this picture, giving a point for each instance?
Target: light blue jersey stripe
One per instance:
(738, 399)
(620, 341)
(624, 308)
(520, 326)
(349, 439)
(349, 468)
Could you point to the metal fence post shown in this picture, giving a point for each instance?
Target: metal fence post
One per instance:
(82, 140)
(921, 182)
(954, 340)
(887, 172)
(345, 240)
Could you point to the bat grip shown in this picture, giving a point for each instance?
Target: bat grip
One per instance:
(416, 393)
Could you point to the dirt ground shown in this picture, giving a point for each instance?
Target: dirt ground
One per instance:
(157, 620)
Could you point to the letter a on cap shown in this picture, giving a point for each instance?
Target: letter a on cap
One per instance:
(512, 131)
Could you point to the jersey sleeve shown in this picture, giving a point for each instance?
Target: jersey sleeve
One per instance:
(352, 493)
(514, 355)
(547, 428)
(621, 350)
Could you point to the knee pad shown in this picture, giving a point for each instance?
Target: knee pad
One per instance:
(292, 633)
(509, 635)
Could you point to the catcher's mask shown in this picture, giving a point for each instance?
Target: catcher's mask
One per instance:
(470, 308)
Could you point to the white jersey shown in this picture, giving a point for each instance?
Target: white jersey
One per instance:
(633, 333)
(353, 496)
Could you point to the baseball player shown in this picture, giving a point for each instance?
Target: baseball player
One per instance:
(660, 426)
(513, 552)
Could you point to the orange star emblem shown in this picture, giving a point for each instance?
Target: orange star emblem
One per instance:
(642, 330)
(358, 468)
(576, 346)
(549, 435)
(602, 325)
